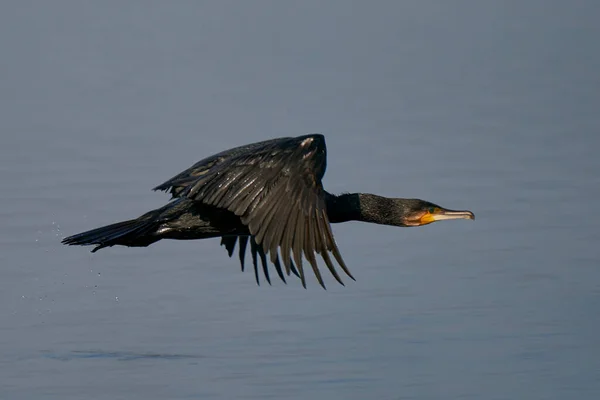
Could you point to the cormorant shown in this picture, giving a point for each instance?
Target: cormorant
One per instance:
(270, 195)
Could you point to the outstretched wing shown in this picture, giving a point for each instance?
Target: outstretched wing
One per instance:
(275, 188)
(179, 182)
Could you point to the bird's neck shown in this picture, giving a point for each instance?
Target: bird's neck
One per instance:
(364, 207)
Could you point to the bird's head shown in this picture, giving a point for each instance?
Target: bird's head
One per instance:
(417, 212)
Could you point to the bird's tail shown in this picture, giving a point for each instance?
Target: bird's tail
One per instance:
(135, 232)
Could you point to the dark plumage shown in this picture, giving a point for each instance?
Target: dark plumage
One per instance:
(268, 194)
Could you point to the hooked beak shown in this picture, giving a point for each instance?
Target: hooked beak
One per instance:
(440, 214)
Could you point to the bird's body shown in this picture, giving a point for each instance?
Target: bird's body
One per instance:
(268, 194)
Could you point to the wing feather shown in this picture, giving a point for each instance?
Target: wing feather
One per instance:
(242, 252)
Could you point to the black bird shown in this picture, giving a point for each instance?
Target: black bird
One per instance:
(269, 194)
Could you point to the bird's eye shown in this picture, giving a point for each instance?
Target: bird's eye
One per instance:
(431, 210)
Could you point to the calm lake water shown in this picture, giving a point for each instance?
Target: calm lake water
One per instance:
(487, 106)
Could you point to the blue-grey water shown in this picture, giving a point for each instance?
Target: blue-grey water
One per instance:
(492, 106)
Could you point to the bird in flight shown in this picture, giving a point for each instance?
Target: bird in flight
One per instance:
(269, 195)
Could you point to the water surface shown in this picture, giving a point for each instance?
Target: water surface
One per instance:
(488, 106)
